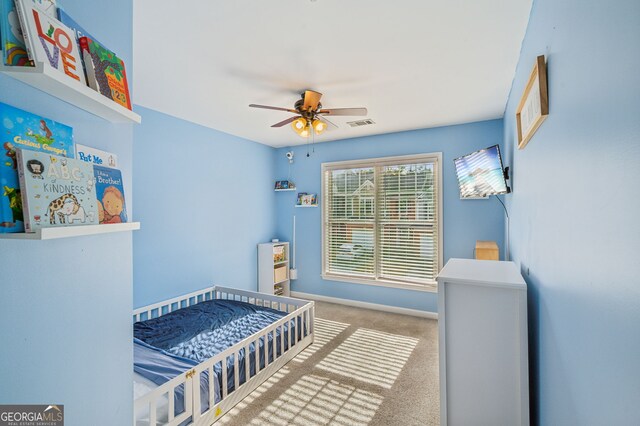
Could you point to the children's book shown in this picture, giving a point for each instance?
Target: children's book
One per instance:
(79, 31)
(284, 184)
(96, 156)
(309, 200)
(56, 191)
(110, 195)
(14, 51)
(50, 41)
(105, 72)
(278, 253)
(22, 129)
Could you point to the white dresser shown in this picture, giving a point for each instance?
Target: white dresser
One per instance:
(482, 315)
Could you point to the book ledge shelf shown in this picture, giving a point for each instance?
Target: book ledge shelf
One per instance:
(306, 205)
(281, 190)
(72, 231)
(62, 87)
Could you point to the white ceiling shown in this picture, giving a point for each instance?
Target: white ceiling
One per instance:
(413, 63)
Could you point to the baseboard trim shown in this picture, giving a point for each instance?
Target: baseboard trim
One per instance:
(366, 305)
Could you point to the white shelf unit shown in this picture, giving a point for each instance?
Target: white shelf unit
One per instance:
(43, 77)
(305, 205)
(273, 270)
(483, 344)
(284, 190)
(72, 231)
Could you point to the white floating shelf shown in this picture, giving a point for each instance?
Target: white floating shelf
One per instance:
(282, 190)
(55, 83)
(72, 231)
(306, 205)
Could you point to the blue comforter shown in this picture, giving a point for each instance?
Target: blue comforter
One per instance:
(208, 328)
(160, 367)
(224, 322)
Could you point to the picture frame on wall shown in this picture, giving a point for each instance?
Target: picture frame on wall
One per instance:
(533, 108)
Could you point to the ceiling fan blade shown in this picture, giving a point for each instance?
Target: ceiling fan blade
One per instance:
(274, 108)
(287, 121)
(311, 100)
(344, 111)
(321, 118)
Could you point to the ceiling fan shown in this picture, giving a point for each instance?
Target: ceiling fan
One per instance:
(310, 116)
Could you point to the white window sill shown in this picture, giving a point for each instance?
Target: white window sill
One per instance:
(429, 287)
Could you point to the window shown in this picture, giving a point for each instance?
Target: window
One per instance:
(381, 221)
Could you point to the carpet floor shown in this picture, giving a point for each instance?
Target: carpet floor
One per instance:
(365, 368)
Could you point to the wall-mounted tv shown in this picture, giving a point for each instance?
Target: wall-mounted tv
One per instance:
(480, 173)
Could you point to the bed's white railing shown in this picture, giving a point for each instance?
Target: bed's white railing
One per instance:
(162, 308)
(300, 312)
(155, 310)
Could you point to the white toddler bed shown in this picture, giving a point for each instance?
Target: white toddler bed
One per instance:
(155, 404)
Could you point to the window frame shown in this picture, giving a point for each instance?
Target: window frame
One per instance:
(436, 159)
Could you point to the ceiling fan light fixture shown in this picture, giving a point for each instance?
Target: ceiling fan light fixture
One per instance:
(299, 124)
(302, 127)
(309, 118)
(319, 126)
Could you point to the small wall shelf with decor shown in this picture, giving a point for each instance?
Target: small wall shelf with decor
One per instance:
(284, 185)
(71, 231)
(307, 200)
(55, 83)
(273, 268)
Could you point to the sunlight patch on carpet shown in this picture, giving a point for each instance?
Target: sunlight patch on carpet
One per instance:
(268, 384)
(324, 332)
(370, 356)
(315, 400)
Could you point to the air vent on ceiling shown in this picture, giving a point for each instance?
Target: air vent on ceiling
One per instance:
(358, 123)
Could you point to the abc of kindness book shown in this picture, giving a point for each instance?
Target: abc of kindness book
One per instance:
(56, 191)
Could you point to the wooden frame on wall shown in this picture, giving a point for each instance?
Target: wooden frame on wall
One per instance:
(533, 108)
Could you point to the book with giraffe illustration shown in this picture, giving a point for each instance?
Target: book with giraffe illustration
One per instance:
(22, 129)
(56, 191)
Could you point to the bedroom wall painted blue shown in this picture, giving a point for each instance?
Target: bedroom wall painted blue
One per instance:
(66, 304)
(205, 200)
(574, 212)
(465, 221)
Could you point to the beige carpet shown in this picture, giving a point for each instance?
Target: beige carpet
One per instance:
(365, 368)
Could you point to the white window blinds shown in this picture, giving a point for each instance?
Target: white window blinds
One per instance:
(381, 219)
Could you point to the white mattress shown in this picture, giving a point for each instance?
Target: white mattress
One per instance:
(142, 386)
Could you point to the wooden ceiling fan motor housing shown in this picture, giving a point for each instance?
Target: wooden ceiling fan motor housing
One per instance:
(310, 108)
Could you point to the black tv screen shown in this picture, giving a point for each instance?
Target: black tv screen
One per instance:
(480, 173)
